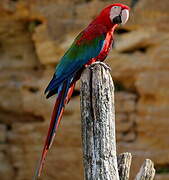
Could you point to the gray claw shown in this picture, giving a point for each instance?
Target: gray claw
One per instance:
(101, 63)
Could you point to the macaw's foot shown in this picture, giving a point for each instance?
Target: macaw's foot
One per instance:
(102, 64)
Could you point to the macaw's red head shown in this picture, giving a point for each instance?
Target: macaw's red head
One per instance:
(115, 14)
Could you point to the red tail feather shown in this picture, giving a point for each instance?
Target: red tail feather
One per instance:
(49, 139)
(70, 92)
(47, 145)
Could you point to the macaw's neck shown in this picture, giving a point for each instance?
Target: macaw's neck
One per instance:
(105, 21)
(99, 26)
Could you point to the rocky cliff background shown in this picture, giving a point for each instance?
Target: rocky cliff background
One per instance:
(34, 34)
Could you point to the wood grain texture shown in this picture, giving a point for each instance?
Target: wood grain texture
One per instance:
(124, 163)
(147, 171)
(98, 124)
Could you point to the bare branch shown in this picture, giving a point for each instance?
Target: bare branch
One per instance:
(124, 163)
(147, 171)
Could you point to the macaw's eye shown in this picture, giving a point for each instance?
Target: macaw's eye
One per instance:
(115, 7)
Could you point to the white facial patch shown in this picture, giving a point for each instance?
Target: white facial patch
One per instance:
(124, 16)
(115, 11)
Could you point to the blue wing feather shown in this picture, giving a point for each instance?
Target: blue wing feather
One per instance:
(73, 60)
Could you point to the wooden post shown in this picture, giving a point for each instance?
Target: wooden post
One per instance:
(98, 130)
(124, 163)
(147, 171)
(98, 124)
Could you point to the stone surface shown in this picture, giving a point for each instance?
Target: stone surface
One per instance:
(33, 37)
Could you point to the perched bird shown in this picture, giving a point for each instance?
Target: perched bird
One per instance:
(91, 45)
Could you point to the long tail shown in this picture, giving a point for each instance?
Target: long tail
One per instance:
(63, 97)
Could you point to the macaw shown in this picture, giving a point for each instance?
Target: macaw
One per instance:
(91, 45)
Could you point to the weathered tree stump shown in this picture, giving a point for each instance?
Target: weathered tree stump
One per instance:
(124, 163)
(147, 171)
(98, 130)
(98, 124)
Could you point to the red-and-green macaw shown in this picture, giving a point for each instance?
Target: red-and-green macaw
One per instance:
(91, 45)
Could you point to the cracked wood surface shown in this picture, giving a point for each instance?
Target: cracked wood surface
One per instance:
(98, 124)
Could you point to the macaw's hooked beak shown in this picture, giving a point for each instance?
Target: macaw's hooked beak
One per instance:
(122, 17)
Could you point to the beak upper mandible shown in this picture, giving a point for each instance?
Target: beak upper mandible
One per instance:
(124, 16)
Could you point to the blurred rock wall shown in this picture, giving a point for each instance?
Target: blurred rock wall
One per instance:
(34, 34)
